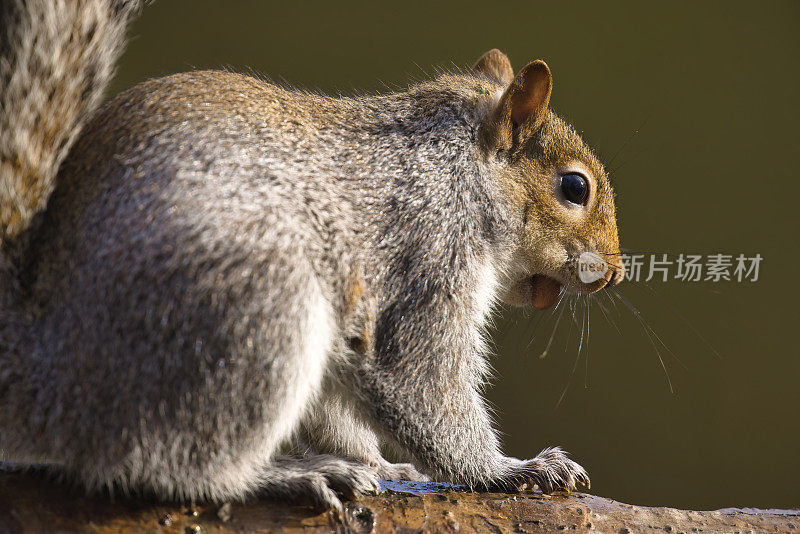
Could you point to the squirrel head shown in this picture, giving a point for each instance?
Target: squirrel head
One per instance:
(559, 192)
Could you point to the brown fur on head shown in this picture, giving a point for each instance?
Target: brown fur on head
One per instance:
(533, 150)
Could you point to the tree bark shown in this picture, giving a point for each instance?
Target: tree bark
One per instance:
(30, 503)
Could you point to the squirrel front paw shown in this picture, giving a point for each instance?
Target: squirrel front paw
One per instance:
(551, 470)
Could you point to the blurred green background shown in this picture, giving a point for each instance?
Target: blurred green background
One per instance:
(697, 104)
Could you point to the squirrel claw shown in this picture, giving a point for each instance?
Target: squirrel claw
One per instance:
(550, 471)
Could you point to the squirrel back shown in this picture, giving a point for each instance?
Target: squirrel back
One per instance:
(56, 60)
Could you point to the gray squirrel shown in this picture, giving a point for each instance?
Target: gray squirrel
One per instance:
(210, 266)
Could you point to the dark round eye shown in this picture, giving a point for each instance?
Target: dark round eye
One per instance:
(575, 188)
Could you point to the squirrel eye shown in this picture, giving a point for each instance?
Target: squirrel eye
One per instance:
(575, 188)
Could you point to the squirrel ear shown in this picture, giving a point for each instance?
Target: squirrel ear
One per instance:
(521, 110)
(495, 65)
(530, 95)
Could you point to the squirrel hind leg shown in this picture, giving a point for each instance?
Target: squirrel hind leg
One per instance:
(333, 427)
(236, 469)
(207, 459)
(319, 479)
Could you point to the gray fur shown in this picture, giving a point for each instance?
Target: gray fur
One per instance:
(225, 264)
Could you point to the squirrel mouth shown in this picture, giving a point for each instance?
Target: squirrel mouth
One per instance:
(544, 291)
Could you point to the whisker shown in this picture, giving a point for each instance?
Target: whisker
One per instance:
(530, 332)
(588, 319)
(549, 315)
(652, 331)
(618, 167)
(531, 325)
(544, 317)
(614, 303)
(574, 365)
(605, 313)
(555, 328)
(681, 316)
(628, 140)
(583, 322)
(649, 336)
(571, 303)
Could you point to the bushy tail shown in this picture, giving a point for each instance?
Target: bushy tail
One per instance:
(56, 59)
